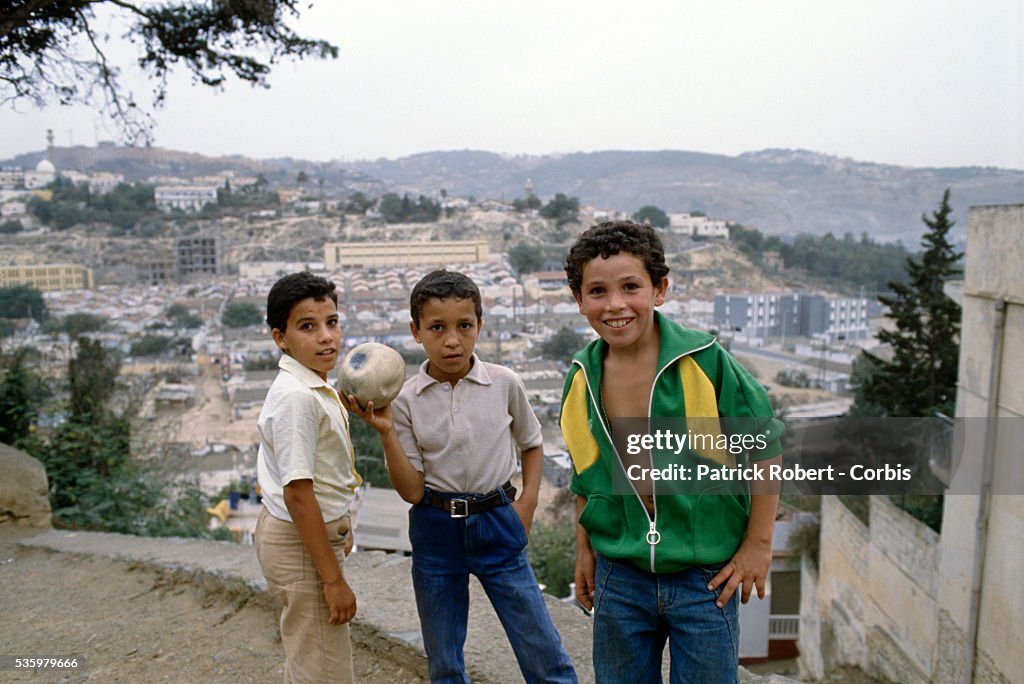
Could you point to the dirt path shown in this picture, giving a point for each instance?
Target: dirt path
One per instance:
(132, 623)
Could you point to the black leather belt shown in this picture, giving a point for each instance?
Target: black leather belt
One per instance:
(462, 507)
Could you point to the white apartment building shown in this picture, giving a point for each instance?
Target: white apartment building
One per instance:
(698, 226)
(184, 197)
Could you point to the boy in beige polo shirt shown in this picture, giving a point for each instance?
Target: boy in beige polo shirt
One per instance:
(308, 480)
(450, 442)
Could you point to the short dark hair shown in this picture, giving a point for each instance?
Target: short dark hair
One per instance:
(442, 284)
(610, 238)
(292, 289)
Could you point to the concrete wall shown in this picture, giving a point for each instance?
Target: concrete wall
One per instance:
(995, 253)
(895, 598)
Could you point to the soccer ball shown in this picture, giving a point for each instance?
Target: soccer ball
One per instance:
(372, 372)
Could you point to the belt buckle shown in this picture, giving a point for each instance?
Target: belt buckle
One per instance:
(455, 505)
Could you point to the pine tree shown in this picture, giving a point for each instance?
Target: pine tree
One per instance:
(920, 380)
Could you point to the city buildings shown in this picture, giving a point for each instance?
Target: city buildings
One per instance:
(48, 277)
(341, 255)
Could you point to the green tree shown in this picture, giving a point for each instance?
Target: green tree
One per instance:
(920, 380)
(22, 301)
(11, 226)
(80, 323)
(55, 51)
(562, 345)
(526, 258)
(22, 392)
(241, 314)
(91, 374)
(652, 215)
(561, 209)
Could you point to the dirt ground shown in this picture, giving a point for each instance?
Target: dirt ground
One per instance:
(132, 623)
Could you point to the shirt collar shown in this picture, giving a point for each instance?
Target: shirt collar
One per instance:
(478, 374)
(309, 377)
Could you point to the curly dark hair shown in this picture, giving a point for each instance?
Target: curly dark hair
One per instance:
(292, 289)
(609, 238)
(443, 284)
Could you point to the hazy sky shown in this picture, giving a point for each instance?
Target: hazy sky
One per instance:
(909, 82)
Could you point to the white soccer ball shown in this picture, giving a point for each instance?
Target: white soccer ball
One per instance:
(372, 372)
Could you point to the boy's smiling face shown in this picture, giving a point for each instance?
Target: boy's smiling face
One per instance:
(618, 299)
(448, 330)
(313, 335)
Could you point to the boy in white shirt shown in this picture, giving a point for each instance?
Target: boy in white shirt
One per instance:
(308, 480)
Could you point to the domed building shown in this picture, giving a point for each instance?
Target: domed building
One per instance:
(44, 174)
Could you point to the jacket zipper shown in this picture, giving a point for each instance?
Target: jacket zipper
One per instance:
(653, 536)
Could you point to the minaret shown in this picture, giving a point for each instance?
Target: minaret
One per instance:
(49, 146)
(528, 189)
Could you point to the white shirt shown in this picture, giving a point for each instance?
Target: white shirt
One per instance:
(304, 436)
(466, 438)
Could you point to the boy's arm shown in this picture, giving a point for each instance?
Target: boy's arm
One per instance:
(533, 467)
(750, 564)
(309, 523)
(406, 480)
(586, 561)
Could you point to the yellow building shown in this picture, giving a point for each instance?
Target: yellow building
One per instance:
(339, 255)
(48, 277)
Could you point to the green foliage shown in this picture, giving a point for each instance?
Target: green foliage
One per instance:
(521, 204)
(22, 392)
(181, 317)
(22, 301)
(793, 378)
(92, 373)
(397, 209)
(6, 328)
(11, 226)
(55, 51)
(358, 203)
(561, 209)
(852, 262)
(76, 324)
(805, 540)
(71, 205)
(652, 215)
(552, 553)
(526, 258)
(925, 507)
(94, 482)
(562, 345)
(156, 345)
(920, 380)
(241, 315)
(369, 453)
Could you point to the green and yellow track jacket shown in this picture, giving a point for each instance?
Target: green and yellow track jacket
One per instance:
(696, 378)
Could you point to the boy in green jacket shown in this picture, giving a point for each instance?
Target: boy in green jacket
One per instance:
(654, 564)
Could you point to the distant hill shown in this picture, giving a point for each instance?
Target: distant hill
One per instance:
(776, 191)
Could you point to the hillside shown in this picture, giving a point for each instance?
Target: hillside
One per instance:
(776, 191)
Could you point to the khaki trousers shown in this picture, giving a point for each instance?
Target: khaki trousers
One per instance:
(314, 650)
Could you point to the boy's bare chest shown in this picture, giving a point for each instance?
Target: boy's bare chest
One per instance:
(626, 394)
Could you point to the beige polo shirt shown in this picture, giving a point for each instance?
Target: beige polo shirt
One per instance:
(304, 436)
(466, 438)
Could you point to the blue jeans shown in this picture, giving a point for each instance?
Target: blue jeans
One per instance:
(636, 611)
(490, 545)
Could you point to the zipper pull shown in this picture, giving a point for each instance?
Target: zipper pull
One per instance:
(653, 536)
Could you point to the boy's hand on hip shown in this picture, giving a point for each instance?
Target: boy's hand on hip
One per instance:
(748, 569)
(341, 601)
